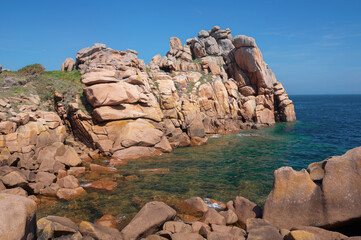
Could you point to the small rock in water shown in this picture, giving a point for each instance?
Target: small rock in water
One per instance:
(98, 168)
(103, 184)
(156, 170)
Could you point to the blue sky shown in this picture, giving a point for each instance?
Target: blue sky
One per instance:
(314, 47)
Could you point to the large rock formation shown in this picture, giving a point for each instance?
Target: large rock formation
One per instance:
(327, 194)
(211, 84)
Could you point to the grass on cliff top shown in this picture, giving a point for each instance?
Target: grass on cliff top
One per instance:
(33, 79)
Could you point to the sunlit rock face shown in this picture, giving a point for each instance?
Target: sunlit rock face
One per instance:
(327, 194)
(212, 84)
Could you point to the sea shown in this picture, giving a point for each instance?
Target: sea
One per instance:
(227, 166)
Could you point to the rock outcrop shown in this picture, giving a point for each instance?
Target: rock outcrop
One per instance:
(211, 84)
(327, 194)
(68, 65)
(32, 149)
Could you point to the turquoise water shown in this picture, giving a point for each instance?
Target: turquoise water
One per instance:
(228, 165)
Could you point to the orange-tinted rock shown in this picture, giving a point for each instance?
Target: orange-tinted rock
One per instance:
(117, 162)
(67, 193)
(155, 170)
(76, 171)
(107, 221)
(102, 184)
(131, 178)
(98, 168)
(193, 205)
(136, 152)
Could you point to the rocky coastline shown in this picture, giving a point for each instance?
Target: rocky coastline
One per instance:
(307, 204)
(118, 108)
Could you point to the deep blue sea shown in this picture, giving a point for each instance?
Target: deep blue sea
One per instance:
(229, 165)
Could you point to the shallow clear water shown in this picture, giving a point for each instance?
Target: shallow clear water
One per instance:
(228, 165)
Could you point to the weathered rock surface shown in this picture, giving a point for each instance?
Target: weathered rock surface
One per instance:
(209, 85)
(18, 217)
(148, 220)
(327, 194)
(260, 229)
(244, 209)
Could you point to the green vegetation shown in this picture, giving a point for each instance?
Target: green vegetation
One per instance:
(206, 78)
(33, 79)
(31, 70)
(197, 60)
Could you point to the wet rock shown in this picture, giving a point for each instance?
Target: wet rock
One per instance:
(196, 204)
(102, 184)
(98, 168)
(117, 162)
(107, 221)
(150, 218)
(70, 193)
(18, 219)
(136, 152)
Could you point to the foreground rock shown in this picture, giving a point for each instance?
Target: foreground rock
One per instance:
(327, 194)
(17, 217)
(148, 220)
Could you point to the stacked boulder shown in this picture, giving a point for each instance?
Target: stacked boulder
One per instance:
(32, 150)
(212, 84)
(68, 65)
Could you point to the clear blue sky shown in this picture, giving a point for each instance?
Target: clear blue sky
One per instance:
(314, 47)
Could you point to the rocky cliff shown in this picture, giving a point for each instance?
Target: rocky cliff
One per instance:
(212, 84)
